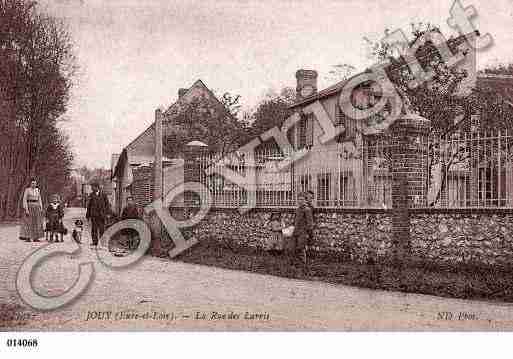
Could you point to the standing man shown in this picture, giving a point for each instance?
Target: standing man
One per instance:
(98, 208)
(303, 225)
(310, 200)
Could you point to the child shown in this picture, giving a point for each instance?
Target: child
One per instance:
(54, 215)
(276, 240)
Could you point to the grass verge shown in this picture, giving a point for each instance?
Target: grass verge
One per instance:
(456, 281)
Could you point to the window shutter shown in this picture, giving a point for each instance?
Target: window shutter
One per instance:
(310, 131)
(291, 135)
(341, 119)
(302, 133)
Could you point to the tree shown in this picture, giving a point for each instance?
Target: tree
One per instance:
(499, 69)
(206, 121)
(495, 104)
(36, 75)
(272, 111)
(439, 101)
(54, 168)
(231, 103)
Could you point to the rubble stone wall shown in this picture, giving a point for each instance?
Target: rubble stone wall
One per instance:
(485, 237)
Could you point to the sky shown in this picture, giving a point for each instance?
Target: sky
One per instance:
(134, 55)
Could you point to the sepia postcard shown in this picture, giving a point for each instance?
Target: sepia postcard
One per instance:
(227, 166)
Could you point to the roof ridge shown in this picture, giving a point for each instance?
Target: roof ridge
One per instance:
(338, 85)
(485, 75)
(196, 83)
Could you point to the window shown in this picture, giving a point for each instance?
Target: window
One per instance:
(309, 130)
(382, 191)
(474, 123)
(216, 183)
(340, 120)
(488, 181)
(460, 190)
(301, 133)
(360, 98)
(304, 183)
(349, 124)
(323, 188)
(305, 132)
(347, 189)
(291, 136)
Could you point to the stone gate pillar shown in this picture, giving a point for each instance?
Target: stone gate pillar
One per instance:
(408, 152)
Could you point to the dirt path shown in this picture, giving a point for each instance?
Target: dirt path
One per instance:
(167, 295)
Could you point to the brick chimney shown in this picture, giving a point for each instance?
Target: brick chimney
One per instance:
(182, 92)
(306, 83)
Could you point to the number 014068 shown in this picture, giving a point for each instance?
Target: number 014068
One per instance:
(23, 343)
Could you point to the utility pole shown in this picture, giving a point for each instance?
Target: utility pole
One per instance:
(157, 191)
(157, 184)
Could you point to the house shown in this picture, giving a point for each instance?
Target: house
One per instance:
(482, 175)
(133, 169)
(351, 171)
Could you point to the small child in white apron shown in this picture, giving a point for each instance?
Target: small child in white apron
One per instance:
(275, 245)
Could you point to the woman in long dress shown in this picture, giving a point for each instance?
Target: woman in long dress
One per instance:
(32, 226)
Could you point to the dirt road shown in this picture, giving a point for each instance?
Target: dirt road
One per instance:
(158, 294)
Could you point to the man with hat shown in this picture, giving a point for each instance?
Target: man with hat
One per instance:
(310, 201)
(98, 208)
(303, 225)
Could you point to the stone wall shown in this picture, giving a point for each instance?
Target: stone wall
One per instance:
(477, 238)
(483, 238)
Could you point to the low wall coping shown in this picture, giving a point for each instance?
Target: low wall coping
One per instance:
(389, 211)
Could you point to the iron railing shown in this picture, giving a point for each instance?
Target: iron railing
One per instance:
(464, 170)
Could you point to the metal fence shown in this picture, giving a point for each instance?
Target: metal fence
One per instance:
(474, 170)
(465, 170)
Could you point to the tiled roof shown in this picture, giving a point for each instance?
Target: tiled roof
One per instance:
(174, 105)
(336, 88)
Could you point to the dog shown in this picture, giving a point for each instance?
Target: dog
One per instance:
(77, 231)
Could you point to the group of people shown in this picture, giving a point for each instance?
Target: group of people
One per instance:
(33, 227)
(302, 237)
(98, 210)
